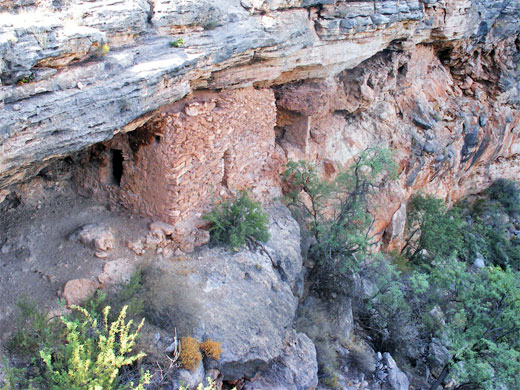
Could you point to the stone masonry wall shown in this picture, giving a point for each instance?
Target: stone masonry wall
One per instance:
(193, 153)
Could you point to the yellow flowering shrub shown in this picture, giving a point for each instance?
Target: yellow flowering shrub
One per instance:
(93, 353)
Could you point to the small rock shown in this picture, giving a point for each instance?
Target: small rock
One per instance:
(396, 378)
(78, 290)
(101, 255)
(422, 123)
(430, 147)
(483, 120)
(117, 271)
(192, 109)
(137, 247)
(190, 379)
(479, 261)
(164, 227)
(95, 236)
(154, 238)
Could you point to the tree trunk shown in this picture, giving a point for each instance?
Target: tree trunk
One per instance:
(440, 379)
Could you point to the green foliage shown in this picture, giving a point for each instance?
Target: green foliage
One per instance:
(93, 353)
(80, 343)
(33, 329)
(388, 311)
(336, 213)
(26, 80)
(16, 378)
(128, 294)
(483, 327)
(235, 220)
(434, 231)
(507, 193)
(105, 49)
(477, 310)
(177, 43)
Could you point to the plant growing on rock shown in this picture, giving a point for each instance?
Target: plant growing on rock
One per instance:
(190, 355)
(211, 349)
(192, 350)
(233, 221)
(507, 192)
(336, 214)
(177, 43)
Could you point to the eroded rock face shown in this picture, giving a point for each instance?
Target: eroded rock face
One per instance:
(240, 299)
(295, 369)
(451, 137)
(88, 70)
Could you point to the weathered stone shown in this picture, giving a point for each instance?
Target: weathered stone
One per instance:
(116, 87)
(438, 356)
(396, 379)
(284, 247)
(479, 261)
(295, 369)
(117, 272)
(97, 237)
(190, 379)
(77, 291)
(239, 299)
(163, 227)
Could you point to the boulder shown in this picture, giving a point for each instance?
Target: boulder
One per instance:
(295, 369)
(396, 379)
(438, 355)
(239, 299)
(95, 236)
(78, 290)
(117, 271)
(284, 247)
(479, 261)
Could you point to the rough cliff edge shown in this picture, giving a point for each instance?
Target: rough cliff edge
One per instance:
(165, 104)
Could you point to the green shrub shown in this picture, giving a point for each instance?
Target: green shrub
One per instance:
(127, 294)
(507, 193)
(232, 221)
(177, 43)
(17, 378)
(33, 329)
(476, 312)
(337, 214)
(93, 353)
(433, 231)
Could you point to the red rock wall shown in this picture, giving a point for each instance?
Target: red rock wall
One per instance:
(451, 136)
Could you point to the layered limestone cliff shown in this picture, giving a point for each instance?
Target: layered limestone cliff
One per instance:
(166, 105)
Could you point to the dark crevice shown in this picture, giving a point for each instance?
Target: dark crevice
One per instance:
(116, 158)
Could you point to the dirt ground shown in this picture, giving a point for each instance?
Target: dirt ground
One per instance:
(36, 255)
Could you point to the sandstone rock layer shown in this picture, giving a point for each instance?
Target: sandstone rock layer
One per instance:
(171, 104)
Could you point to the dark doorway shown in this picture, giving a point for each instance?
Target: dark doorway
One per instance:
(117, 166)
